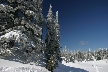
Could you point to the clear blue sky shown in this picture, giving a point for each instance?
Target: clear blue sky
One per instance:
(84, 23)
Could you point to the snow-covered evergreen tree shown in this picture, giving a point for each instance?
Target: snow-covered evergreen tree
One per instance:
(23, 17)
(67, 56)
(57, 38)
(52, 40)
(49, 26)
(71, 56)
(89, 55)
(64, 51)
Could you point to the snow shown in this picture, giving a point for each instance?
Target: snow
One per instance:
(17, 34)
(101, 65)
(11, 34)
(12, 66)
(29, 12)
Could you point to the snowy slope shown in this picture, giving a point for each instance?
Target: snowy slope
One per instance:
(11, 66)
(102, 66)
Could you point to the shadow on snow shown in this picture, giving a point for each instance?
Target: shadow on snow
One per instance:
(63, 68)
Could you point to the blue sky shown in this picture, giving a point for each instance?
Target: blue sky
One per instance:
(84, 23)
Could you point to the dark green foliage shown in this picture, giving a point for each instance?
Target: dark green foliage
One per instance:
(52, 50)
(51, 63)
(18, 16)
(98, 58)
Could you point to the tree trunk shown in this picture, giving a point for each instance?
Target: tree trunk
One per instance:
(51, 69)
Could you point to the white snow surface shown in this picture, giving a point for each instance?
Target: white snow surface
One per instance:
(12, 66)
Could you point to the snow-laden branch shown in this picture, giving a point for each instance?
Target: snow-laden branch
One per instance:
(17, 36)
